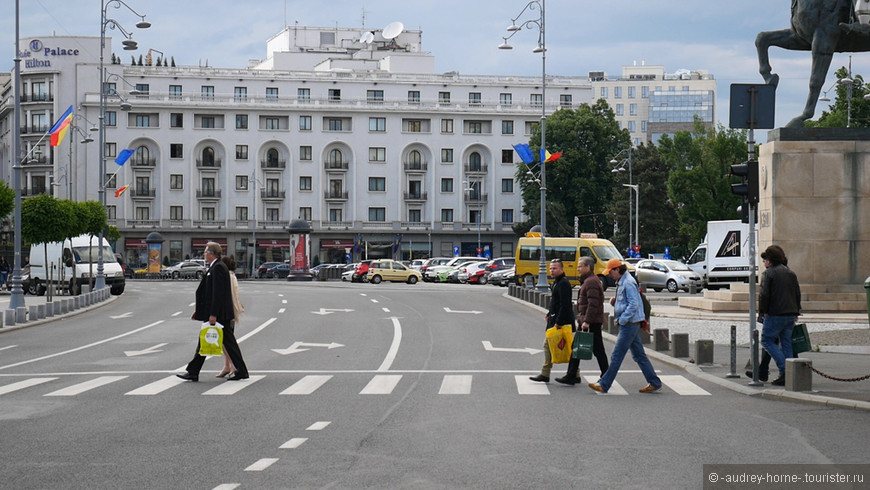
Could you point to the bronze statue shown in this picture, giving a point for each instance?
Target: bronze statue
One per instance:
(823, 27)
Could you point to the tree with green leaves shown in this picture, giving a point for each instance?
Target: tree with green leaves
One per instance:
(7, 199)
(580, 182)
(44, 220)
(839, 114)
(699, 186)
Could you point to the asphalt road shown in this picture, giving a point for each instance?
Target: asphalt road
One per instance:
(366, 386)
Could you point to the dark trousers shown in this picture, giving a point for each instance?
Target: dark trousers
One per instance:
(764, 364)
(597, 351)
(231, 346)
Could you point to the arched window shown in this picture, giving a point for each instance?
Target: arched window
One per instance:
(208, 156)
(474, 162)
(415, 160)
(272, 157)
(142, 155)
(335, 156)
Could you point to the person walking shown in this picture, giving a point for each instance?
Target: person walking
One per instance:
(779, 304)
(214, 304)
(559, 314)
(590, 317)
(4, 271)
(238, 309)
(628, 313)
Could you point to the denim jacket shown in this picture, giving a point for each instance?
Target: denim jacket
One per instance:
(628, 307)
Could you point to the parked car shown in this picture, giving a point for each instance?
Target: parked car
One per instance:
(434, 261)
(473, 273)
(189, 269)
(265, 266)
(390, 270)
(433, 271)
(361, 271)
(500, 264)
(416, 264)
(280, 271)
(501, 277)
(451, 274)
(670, 274)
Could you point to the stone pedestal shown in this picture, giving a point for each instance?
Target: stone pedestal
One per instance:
(814, 189)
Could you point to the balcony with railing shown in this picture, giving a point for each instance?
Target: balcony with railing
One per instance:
(336, 166)
(208, 164)
(142, 193)
(335, 196)
(270, 195)
(37, 98)
(416, 196)
(143, 162)
(416, 167)
(208, 194)
(476, 198)
(273, 165)
(209, 223)
(476, 168)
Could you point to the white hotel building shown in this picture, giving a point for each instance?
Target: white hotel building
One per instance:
(363, 140)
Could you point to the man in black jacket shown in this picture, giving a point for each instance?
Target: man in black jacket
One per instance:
(214, 304)
(561, 313)
(779, 303)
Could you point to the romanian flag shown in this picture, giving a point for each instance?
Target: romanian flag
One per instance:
(58, 131)
(547, 157)
(121, 190)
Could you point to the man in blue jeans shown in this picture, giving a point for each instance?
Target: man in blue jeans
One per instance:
(779, 303)
(628, 312)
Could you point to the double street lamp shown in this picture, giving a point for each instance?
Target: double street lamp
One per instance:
(129, 45)
(632, 234)
(539, 24)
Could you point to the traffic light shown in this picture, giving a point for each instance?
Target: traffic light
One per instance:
(748, 188)
(743, 209)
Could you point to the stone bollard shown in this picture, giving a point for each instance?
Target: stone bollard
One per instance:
(64, 306)
(703, 352)
(9, 317)
(544, 301)
(644, 336)
(612, 328)
(33, 312)
(76, 302)
(680, 345)
(798, 375)
(20, 314)
(40, 311)
(661, 343)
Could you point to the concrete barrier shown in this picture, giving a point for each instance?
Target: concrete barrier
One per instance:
(8, 318)
(612, 328)
(32, 311)
(680, 345)
(798, 375)
(644, 336)
(21, 314)
(703, 352)
(661, 343)
(40, 311)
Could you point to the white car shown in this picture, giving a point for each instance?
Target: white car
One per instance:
(431, 273)
(670, 274)
(348, 275)
(473, 273)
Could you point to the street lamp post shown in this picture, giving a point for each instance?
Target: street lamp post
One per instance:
(470, 188)
(636, 188)
(539, 23)
(17, 298)
(632, 235)
(254, 181)
(129, 45)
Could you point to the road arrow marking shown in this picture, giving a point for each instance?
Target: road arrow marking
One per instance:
(487, 345)
(473, 312)
(296, 347)
(125, 315)
(327, 311)
(150, 350)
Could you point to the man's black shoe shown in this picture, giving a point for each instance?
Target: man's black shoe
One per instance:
(237, 377)
(540, 378)
(567, 380)
(780, 381)
(188, 377)
(761, 376)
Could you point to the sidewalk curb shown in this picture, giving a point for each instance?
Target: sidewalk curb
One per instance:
(767, 393)
(34, 323)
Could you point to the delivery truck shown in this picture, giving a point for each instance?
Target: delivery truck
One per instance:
(723, 257)
(72, 263)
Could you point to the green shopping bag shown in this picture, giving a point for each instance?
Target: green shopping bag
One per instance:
(582, 348)
(800, 339)
(211, 339)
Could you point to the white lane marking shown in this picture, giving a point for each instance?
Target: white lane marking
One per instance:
(386, 310)
(262, 464)
(8, 347)
(176, 313)
(122, 315)
(293, 443)
(298, 347)
(150, 350)
(374, 300)
(283, 301)
(280, 295)
(472, 312)
(86, 386)
(318, 425)
(525, 386)
(363, 294)
(254, 331)
(306, 385)
(131, 332)
(282, 310)
(227, 486)
(455, 385)
(27, 383)
(615, 389)
(192, 304)
(157, 386)
(394, 347)
(487, 345)
(682, 385)
(233, 387)
(382, 384)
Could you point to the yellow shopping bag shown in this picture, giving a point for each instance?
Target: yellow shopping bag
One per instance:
(559, 339)
(211, 338)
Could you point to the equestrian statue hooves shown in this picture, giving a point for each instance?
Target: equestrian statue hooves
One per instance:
(824, 27)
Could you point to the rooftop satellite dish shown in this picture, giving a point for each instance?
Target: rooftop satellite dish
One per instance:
(393, 30)
(368, 37)
(362, 37)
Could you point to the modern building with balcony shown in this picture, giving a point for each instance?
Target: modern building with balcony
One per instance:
(359, 137)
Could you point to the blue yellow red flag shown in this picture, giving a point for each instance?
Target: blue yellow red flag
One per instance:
(58, 131)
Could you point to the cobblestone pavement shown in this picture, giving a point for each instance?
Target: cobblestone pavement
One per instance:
(720, 331)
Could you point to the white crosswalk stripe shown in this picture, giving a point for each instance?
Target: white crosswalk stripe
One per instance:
(682, 386)
(455, 385)
(80, 388)
(157, 386)
(525, 386)
(382, 384)
(27, 383)
(233, 387)
(307, 385)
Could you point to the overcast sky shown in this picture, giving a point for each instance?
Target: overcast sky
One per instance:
(582, 35)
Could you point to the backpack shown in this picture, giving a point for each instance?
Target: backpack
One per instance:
(647, 311)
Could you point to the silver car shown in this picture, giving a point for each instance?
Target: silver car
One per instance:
(667, 274)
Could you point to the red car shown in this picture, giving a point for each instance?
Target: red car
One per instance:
(359, 275)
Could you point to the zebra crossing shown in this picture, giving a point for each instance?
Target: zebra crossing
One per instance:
(378, 384)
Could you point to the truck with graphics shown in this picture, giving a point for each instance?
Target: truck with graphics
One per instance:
(723, 256)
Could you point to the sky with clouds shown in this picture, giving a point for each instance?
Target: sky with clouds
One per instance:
(463, 35)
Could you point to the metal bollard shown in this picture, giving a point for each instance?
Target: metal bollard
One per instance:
(680, 345)
(661, 343)
(20, 314)
(612, 327)
(40, 311)
(733, 373)
(798, 375)
(9, 317)
(703, 352)
(644, 336)
(33, 312)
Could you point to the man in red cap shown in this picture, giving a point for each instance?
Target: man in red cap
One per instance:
(628, 313)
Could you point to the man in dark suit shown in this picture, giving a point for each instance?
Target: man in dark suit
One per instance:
(214, 303)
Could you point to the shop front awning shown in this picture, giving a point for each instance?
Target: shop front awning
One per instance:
(273, 243)
(133, 243)
(199, 244)
(333, 244)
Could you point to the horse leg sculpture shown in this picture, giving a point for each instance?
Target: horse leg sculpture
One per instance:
(784, 38)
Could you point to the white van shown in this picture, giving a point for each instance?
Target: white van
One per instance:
(73, 261)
